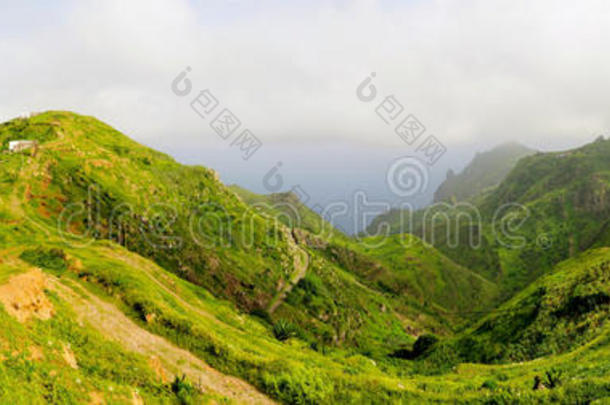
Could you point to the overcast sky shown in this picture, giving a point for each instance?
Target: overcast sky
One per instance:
(474, 72)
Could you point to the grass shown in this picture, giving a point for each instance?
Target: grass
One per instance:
(330, 341)
(293, 372)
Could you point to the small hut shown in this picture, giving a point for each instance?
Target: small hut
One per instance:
(18, 146)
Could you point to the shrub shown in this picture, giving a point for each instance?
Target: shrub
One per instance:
(424, 343)
(183, 389)
(53, 259)
(552, 378)
(490, 384)
(284, 330)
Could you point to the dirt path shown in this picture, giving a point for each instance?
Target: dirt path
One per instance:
(113, 324)
(299, 273)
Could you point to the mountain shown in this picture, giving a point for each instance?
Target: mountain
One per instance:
(86, 180)
(406, 269)
(287, 208)
(548, 208)
(485, 171)
(126, 277)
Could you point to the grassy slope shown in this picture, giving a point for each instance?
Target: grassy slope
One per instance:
(33, 368)
(419, 270)
(423, 281)
(216, 331)
(566, 196)
(288, 209)
(241, 345)
(145, 201)
(561, 312)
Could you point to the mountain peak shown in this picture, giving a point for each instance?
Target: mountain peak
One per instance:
(487, 169)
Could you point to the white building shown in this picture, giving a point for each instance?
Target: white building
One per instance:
(18, 146)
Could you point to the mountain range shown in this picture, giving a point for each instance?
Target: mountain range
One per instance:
(126, 277)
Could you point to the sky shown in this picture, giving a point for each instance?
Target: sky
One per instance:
(474, 73)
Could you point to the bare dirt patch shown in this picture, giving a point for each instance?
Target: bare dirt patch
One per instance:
(69, 357)
(23, 296)
(35, 353)
(96, 398)
(157, 367)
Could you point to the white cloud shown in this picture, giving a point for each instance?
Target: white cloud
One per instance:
(473, 71)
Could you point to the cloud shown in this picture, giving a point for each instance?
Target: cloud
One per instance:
(472, 71)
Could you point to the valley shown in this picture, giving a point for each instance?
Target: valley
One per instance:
(127, 277)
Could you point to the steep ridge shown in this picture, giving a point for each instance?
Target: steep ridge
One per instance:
(550, 207)
(336, 337)
(287, 208)
(485, 171)
(86, 180)
(479, 178)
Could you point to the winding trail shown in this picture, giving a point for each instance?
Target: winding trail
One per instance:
(299, 273)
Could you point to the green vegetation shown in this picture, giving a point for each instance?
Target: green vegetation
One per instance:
(555, 205)
(144, 256)
(421, 272)
(34, 369)
(89, 181)
(289, 210)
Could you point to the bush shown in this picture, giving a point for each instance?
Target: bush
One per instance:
(424, 343)
(183, 389)
(284, 330)
(490, 384)
(552, 378)
(53, 259)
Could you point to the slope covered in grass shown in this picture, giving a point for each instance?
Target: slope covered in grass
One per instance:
(86, 180)
(549, 208)
(116, 256)
(415, 269)
(561, 311)
(234, 343)
(63, 360)
(288, 209)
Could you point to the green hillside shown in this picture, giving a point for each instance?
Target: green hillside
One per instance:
(410, 269)
(289, 210)
(485, 171)
(562, 311)
(87, 180)
(556, 205)
(126, 277)
(103, 284)
(414, 274)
